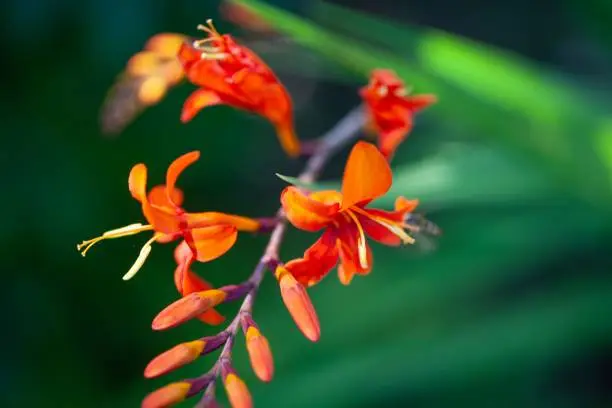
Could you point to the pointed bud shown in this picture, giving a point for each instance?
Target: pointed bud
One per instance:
(174, 358)
(298, 304)
(166, 396)
(187, 308)
(260, 354)
(237, 392)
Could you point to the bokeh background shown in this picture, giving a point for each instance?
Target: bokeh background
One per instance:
(510, 307)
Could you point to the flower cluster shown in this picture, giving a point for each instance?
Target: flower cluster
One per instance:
(231, 74)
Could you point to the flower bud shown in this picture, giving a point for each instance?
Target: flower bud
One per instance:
(298, 304)
(187, 308)
(259, 354)
(166, 396)
(237, 392)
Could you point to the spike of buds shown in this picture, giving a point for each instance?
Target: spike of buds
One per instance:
(187, 308)
(298, 304)
(258, 349)
(183, 354)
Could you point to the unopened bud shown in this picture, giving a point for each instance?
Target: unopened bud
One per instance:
(187, 308)
(259, 354)
(298, 304)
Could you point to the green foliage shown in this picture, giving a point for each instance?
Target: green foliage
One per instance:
(514, 164)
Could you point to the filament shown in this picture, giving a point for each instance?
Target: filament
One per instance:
(142, 257)
(128, 230)
(397, 229)
(361, 242)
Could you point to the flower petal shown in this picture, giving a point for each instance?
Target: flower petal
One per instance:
(367, 175)
(137, 182)
(158, 197)
(161, 218)
(349, 254)
(418, 102)
(197, 101)
(187, 282)
(205, 219)
(388, 142)
(174, 171)
(304, 212)
(318, 260)
(212, 242)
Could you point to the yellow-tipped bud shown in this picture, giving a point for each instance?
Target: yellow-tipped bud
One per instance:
(260, 354)
(298, 304)
(187, 308)
(237, 392)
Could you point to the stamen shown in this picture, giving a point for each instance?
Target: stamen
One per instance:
(142, 257)
(131, 229)
(361, 242)
(397, 229)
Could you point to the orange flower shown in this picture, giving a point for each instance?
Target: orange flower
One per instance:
(148, 76)
(346, 220)
(232, 74)
(208, 234)
(390, 109)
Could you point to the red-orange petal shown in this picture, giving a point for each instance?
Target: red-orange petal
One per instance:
(187, 308)
(260, 354)
(304, 212)
(317, 262)
(175, 169)
(298, 304)
(212, 242)
(287, 137)
(198, 100)
(158, 196)
(349, 255)
(137, 182)
(174, 358)
(237, 392)
(167, 396)
(404, 206)
(210, 218)
(419, 102)
(367, 175)
(388, 142)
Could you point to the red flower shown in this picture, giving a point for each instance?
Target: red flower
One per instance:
(232, 74)
(346, 220)
(390, 110)
(208, 234)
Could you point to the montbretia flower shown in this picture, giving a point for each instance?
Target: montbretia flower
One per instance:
(231, 74)
(208, 234)
(346, 220)
(258, 349)
(390, 109)
(146, 79)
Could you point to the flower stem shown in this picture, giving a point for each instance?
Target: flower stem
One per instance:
(342, 133)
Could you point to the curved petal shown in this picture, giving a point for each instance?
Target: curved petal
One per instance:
(161, 218)
(349, 255)
(388, 142)
(188, 55)
(304, 212)
(378, 232)
(158, 197)
(212, 242)
(197, 101)
(174, 171)
(418, 102)
(210, 218)
(404, 206)
(367, 175)
(137, 182)
(318, 260)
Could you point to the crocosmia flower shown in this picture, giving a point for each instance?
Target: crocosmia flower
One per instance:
(390, 109)
(231, 74)
(346, 220)
(208, 234)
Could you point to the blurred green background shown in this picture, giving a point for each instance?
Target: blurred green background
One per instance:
(513, 306)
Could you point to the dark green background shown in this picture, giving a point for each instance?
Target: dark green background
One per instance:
(512, 309)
